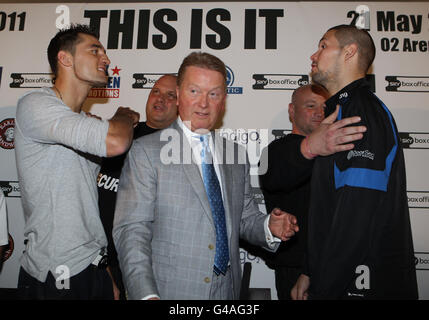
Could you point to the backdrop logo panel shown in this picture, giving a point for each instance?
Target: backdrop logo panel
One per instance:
(257, 195)
(279, 133)
(7, 129)
(421, 260)
(9, 249)
(414, 140)
(112, 88)
(230, 78)
(145, 80)
(418, 199)
(10, 189)
(407, 84)
(279, 81)
(31, 80)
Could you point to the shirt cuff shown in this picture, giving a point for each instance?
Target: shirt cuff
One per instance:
(271, 240)
(149, 296)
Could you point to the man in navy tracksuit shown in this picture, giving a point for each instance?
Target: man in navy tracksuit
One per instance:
(360, 243)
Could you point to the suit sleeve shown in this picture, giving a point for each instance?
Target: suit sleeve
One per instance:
(132, 226)
(252, 220)
(361, 178)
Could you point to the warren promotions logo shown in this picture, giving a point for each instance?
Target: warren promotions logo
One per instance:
(407, 84)
(111, 90)
(31, 80)
(10, 189)
(414, 140)
(146, 80)
(230, 78)
(7, 129)
(279, 81)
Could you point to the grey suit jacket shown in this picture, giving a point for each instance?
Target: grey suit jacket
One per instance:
(163, 227)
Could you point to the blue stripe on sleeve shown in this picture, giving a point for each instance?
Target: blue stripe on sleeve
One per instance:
(368, 178)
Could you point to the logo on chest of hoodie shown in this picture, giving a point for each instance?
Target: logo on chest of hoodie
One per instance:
(363, 154)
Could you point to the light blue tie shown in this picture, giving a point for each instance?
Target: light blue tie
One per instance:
(211, 183)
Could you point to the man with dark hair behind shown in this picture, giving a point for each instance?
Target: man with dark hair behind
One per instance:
(55, 144)
(360, 244)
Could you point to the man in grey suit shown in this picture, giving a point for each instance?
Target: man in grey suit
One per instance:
(181, 211)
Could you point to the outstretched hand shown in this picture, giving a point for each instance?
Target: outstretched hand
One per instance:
(282, 225)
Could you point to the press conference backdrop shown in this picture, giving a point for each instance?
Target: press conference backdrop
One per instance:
(266, 47)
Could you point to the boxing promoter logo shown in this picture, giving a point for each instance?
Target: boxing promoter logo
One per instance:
(407, 84)
(111, 90)
(31, 80)
(279, 81)
(7, 129)
(8, 250)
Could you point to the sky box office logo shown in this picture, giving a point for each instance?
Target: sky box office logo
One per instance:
(421, 259)
(418, 199)
(146, 80)
(407, 84)
(230, 78)
(31, 80)
(414, 140)
(10, 189)
(279, 81)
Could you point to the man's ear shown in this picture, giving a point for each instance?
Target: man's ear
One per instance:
(65, 58)
(350, 51)
(291, 112)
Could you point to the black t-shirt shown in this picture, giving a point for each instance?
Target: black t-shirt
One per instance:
(107, 182)
(286, 185)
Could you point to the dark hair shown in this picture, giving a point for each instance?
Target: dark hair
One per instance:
(66, 39)
(346, 34)
(201, 60)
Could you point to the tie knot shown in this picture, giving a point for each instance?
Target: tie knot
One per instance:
(205, 141)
